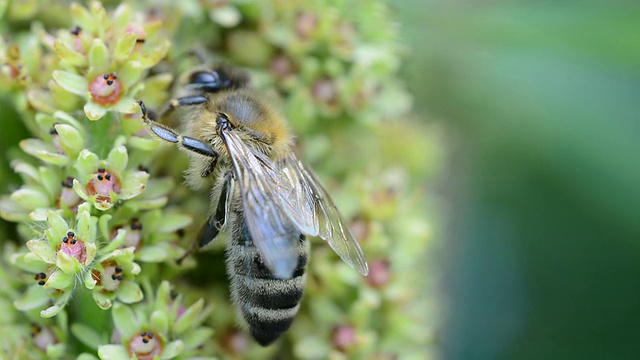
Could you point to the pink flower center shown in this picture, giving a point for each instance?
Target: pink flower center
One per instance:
(74, 247)
(42, 337)
(344, 337)
(78, 44)
(56, 140)
(379, 273)
(102, 183)
(324, 90)
(111, 277)
(68, 196)
(139, 32)
(145, 346)
(106, 89)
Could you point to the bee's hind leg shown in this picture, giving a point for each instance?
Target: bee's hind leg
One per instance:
(167, 134)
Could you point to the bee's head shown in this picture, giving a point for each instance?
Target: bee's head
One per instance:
(216, 79)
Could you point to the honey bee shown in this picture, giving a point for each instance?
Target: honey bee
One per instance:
(261, 191)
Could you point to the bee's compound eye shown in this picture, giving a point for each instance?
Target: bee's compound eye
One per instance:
(223, 121)
(204, 77)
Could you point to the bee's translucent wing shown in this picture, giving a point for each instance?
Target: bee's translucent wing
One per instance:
(323, 215)
(266, 207)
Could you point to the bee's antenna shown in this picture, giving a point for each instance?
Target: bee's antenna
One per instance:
(198, 55)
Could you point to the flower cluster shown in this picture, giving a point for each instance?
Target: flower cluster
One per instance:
(161, 327)
(100, 217)
(106, 54)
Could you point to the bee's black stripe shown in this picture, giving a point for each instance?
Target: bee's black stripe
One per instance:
(267, 325)
(256, 268)
(272, 293)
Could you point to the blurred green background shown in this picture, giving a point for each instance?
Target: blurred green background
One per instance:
(540, 206)
(537, 208)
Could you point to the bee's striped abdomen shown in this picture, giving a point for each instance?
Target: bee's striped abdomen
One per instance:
(267, 304)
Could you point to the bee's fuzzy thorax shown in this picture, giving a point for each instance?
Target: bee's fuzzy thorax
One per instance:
(255, 121)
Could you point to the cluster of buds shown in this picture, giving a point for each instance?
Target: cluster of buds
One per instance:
(101, 222)
(161, 327)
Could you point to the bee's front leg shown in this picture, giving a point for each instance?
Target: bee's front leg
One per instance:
(167, 134)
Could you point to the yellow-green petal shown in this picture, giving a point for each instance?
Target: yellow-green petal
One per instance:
(71, 82)
(28, 262)
(153, 56)
(127, 105)
(94, 111)
(50, 180)
(112, 352)
(35, 146)
(91, 250)
(56, 351)
(80, 190)
(148, 204)
(31, 197)
(28, 172)
(62, 98)
(60, 303)
(159, 322)
(121, 16)
(99, 16)
(124, 46)
(196, 338)
(102, 300)
(140, 143)
(11, 211)
(62, 116)
(103, 225)
(133, 184)
(173, 221)
(87, 163)
(53, 157)
(86, 356)
(67, 263)
(41, 100)
(99, 57)
(129, 292)
(163, 296)
(83, 221)
(152, 254)
(189, 317)
(60, 280)
(42, 250)
(89, 281)
(130, 73)
(101, 205)
(117, 241)
(58, 227)
(125, 320)
(70, 139)
(118, 159)
(68, 54)
(35, 297)
(172, 349)
(39, 214)
(82, 17)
